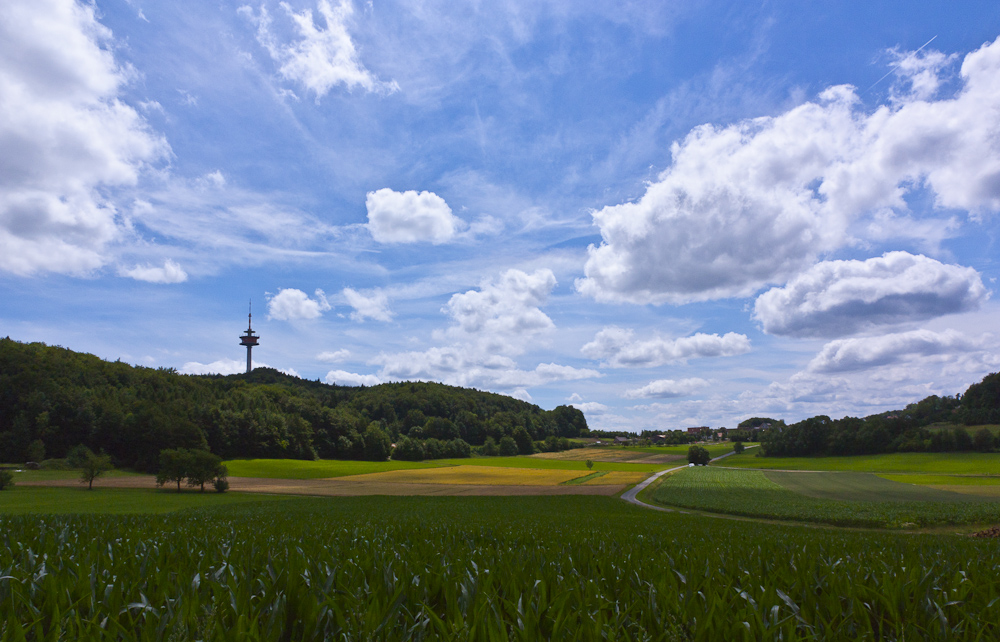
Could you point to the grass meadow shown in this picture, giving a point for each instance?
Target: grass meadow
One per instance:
(968, 463)
(483, 568)
(113, 501)
(54, 475)
(866, 501)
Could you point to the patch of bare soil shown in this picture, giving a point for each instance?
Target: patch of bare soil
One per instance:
(344, 487)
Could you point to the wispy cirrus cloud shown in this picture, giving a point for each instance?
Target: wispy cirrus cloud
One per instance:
(321, 56)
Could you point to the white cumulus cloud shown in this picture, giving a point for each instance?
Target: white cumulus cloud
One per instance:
(290, 304)
(333, 356)
(490, 326)
(170, 273)
(344, 378)
(67, 138)
(410, 217)
(373, 305)
(837, 298)
(618, 348)
(321, 57)
(222, 366)
(845, 355)
(504, 314)
(464, 366)
(756, 202)
(590, 407)
(666, 389)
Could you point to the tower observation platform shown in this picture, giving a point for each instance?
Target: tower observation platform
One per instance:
(249, 339)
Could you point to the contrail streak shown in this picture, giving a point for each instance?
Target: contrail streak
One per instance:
(896, 66)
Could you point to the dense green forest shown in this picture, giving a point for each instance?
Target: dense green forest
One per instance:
(52, 399)
(909, 430)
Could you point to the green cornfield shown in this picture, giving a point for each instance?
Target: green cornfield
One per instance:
(482, 568)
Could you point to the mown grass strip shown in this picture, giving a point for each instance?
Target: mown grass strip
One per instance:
(585, 478)
(861, 487)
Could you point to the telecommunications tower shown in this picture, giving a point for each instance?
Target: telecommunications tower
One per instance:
(249, 338)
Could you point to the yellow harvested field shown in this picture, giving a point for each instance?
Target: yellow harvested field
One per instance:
(476, 475)
(616, 477)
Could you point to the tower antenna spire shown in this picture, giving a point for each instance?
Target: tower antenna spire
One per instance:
(249, 338)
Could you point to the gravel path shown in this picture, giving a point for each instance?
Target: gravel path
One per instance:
(630, 495)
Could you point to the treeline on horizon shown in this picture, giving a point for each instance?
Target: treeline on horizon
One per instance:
(912, 429)
(53, 399)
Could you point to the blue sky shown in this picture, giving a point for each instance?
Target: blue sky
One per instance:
(666, 214)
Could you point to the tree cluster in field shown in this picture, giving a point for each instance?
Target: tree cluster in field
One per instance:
(198, 466)
(53, 399)
(908, 430)
(698, 456)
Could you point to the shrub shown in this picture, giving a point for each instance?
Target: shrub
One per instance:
(221, 484)
(962, 439)
(508, 447)
(458, 449)
(490, 448)
(77, 455)
(36, 450)
(55, 464)
(525, 445)
(983, 440)
(408, 450)
(378, 445)
(6, 479)
(738, 447)
(433, 449)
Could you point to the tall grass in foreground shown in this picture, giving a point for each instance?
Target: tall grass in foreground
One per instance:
(565, 568)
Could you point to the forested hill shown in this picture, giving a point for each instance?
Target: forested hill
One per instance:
(62, 398)
(929, 425)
